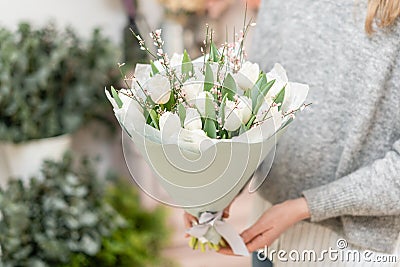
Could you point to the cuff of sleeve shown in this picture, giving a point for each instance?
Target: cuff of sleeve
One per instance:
(330, 200)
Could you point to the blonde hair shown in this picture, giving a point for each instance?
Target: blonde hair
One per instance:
(384, 12)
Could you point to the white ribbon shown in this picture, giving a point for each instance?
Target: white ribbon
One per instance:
(212, 222)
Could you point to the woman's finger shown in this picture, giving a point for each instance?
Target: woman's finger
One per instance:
(225, 251)
(260, 241)
(188, 220)
(255, 230)
(225, 214)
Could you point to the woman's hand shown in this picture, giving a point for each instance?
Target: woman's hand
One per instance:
(272, 224)
(188, 218)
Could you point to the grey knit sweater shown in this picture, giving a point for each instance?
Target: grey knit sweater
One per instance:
(342, 153)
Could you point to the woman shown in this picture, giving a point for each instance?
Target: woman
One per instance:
(338, 165)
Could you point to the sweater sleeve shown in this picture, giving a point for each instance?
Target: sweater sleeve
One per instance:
(373, 190)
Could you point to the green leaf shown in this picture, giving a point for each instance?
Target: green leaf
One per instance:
(279, 98)
(242, 129)
(222, 109)
(187, 66)
(260, 98)
(286, 123)
(229, 87)
(209, 128)
(150, 101)
(154, 69)
(214, 54)
(250, 122)
(116, 97)
(266, 87)
(256, 90)
(209, 107)
(224, 136)
(209, 78)
(154, 118)
(182, 114)
(171, 102)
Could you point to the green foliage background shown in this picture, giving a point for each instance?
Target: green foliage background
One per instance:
(71, 218)
(51, 81)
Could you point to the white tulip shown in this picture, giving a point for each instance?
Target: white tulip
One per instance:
(126, 101)
(170, 125)
(191, 89)
(129, 105)
(194, 140)
(111, 99)
(233, 117)
(238, 113)
(130, 115)
(141, 77)
(201, 59)
(123, 95)
(159, 66)
(245, 108)
(264, 130)
(247, 76)
(278, 74)
(192, 120)
(295, 95)
(159, 89)
(176, 60)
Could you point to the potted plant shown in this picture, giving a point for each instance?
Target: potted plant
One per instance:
(50, 83)
(72, 218)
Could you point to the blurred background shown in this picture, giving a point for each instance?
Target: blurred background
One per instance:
(66, 196)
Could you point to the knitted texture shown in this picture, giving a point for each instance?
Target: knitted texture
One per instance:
(343, 152)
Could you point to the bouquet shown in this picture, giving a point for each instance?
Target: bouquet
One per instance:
(204, 126)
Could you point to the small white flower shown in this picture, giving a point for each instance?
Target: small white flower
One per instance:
(158, 32)
(247, 76)
(192, 120)
(159, 89)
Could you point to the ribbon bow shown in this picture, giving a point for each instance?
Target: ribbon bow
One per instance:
(211, 227)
